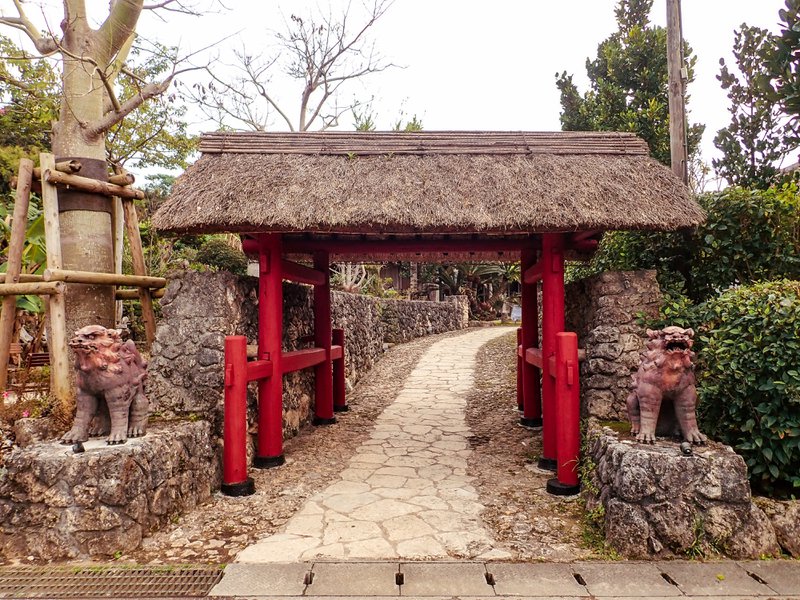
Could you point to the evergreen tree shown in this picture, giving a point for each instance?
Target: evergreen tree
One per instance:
(755, 142)
(628, 84)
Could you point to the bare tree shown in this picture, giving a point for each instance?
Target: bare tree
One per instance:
(92, 59)
(321, 52)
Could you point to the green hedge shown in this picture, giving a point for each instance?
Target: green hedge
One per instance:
(749, 379)
(750, 235)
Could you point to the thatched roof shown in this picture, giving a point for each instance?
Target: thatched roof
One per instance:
(426, 183)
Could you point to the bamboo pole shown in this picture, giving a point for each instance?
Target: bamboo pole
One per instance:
(676, 91)
(122, 179)
(22, 278)
(14, 265)
(139, 268)
(117, 233)
(134, 294)
(91, 185)
(60, 385)
(44, 288)
(66, 166)
(103, 278)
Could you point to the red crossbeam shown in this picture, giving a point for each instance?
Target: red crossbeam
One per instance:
(336, 352)
(258, 369)
(403, 246)
(533, 356)
(302, 359)
(301, 274)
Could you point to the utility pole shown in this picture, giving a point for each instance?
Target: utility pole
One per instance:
(678, 75)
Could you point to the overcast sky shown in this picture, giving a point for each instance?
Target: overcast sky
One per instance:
(480, 65)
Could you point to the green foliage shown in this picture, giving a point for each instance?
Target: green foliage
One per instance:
(628, 84)
(757, 139)
(155, 134)
(218, 253)
(34, 257)
(750, 235)
(749, 379)
(781, 79)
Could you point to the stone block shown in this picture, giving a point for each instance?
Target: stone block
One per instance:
(661, 503)
(445, 579)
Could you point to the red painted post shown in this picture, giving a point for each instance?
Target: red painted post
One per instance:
(552, 323)
(270, 337)
(235, 481)
(323, 373)
(531, 396)
(339, 400)
(568, 431)
(520, 364)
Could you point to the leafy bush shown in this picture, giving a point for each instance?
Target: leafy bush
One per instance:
(218, 253)
(749, 379)
(750, 235)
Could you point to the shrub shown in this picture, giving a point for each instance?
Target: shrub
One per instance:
(218, 253)
(749, 379)
(750, 235)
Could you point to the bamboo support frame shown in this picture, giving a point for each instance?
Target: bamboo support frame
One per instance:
(134, 294)
(122, 179)
(15, 247)
(140, 270)
(65, 166)
(103, 278)
(43, 288)
(60, 380)
(22, 278)
(90, 185)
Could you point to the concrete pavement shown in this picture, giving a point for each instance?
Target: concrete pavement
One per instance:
(673, 579)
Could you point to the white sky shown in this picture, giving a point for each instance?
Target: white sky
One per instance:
(481, 65)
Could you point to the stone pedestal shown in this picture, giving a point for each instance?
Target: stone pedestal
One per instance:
(55, 504)
(659, 503)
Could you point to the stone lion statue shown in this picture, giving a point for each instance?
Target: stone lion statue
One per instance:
(663, 399)
(110, 397)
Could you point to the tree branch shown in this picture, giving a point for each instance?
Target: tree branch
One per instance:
(118, 27)
(110, 119)
(45, 45)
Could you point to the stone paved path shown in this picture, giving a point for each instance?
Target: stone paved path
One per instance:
(405, 493)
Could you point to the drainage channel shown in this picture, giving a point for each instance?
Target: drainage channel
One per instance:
(108, 582)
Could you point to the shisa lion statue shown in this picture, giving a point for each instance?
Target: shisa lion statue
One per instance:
(110, 397)
(663, 399)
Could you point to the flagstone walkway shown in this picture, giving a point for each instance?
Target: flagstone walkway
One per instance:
(405, 493)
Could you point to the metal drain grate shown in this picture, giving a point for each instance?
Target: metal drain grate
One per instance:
(107, 582)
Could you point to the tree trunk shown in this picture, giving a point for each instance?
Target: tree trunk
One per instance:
(85, 219)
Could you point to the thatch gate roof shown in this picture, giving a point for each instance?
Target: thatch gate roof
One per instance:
(426, 183)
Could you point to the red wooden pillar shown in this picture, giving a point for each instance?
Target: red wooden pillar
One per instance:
(339, 384)
(520, 363)
(552, 323)
(568, 429)
(270, 337)
(531, 397)
(235, 481)
(323, 372)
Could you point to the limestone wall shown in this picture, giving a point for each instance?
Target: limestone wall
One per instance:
(56, 505)
(603, 311)
(199, 309)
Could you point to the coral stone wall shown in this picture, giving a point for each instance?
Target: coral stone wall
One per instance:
(185, 375)
(55, 504)
(603, 311)
(656, 502)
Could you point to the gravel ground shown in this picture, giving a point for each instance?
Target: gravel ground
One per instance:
(520, 513)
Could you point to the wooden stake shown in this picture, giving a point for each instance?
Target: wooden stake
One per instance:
(103, 278)
(122, 179)
(139, 268)
(60, 380)
(90, 185)
(14, 265)
(12, 290)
